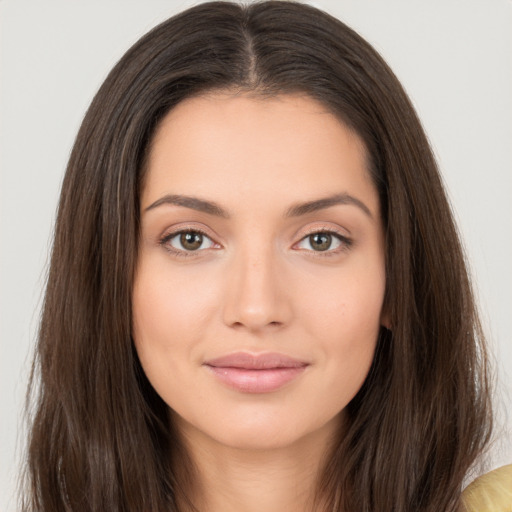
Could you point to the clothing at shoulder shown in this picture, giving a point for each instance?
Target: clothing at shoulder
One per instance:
(491, 492)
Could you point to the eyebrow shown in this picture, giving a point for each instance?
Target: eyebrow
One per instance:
(297, 210)
(195, 203)
(326, 202)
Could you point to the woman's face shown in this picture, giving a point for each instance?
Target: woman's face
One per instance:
(259, 288)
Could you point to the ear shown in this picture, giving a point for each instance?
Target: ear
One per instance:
(385, 319)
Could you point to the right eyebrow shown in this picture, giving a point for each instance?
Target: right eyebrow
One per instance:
(326, 202)
(195, 203)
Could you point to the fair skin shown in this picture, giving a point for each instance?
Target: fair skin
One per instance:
(256, 315)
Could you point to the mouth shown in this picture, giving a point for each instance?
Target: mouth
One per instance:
(256, 373)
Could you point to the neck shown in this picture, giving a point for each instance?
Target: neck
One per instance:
(231, 479)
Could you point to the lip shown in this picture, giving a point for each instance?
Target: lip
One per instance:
(256, 373)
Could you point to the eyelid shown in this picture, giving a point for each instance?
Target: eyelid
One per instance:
(333, 229)
(182, 227)
(325, 228)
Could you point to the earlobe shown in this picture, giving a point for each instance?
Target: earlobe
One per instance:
(385, 321)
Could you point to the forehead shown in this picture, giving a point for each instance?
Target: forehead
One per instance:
(236, 145)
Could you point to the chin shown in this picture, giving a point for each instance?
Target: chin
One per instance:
(260, 432)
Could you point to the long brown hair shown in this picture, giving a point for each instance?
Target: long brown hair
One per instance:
(100, 436)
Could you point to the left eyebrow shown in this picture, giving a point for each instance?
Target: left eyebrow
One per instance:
(319, 204)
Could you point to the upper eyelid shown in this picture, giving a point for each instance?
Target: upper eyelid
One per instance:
(335, 230)
(177, 230)
(172, 234)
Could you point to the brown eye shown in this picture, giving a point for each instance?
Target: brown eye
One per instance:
(183, 242)
(320, 241)
(191, 240)
(324, 241)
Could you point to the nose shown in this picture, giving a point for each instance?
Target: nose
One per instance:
(257, 298)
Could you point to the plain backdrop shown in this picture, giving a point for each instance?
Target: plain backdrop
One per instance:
(453, 57)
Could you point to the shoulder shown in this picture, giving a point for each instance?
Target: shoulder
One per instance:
(491, 492)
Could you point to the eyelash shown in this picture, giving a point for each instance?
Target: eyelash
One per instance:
(346, 243)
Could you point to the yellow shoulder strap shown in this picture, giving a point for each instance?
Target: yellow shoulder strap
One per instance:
(491, 492)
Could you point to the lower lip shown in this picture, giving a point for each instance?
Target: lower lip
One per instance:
(256, 381)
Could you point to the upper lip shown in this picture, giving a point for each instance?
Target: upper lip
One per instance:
(248, 361)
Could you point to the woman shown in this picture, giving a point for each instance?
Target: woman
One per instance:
(257, 297)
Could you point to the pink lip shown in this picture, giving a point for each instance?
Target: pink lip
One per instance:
(259, 373)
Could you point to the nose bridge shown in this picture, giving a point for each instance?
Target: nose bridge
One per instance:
(255, 297)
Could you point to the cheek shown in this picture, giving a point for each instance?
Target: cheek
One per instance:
(344, 315)
(171, 313)
(169, 308)
(348, 305)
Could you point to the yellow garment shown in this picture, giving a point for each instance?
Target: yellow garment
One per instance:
(491, 492)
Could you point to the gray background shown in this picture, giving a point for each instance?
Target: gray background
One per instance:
(453, 57)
